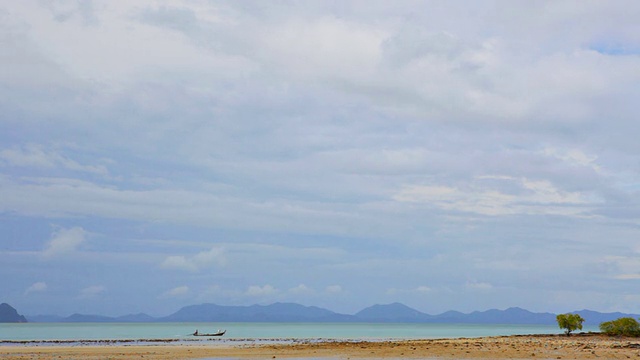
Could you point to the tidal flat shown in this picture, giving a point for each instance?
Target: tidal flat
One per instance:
(577, 346)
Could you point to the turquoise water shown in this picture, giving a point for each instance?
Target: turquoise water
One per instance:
(261, 331)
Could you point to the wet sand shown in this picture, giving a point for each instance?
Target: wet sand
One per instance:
(580, 346)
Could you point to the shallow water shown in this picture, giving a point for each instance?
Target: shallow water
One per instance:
(238, 332)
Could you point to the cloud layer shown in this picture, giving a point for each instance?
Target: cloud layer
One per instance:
(333, 154)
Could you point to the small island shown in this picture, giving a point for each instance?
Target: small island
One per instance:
(10, 315)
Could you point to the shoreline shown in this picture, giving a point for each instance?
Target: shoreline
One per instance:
(577, 346)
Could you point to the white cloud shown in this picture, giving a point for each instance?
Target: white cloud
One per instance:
(621, 267)
(420, 290)
(635, 276)
(36, 287)
(574, 157)
(392, 291)
(177, 291)
(331, 47)
(301, 289)
(57, 197)
(92, 291)
(481, 286)
(203, 259)
(333, 289)
(257, 291)
(532, 197)
(213, 256)
(65, 241)
(178, 262)
(33, 155)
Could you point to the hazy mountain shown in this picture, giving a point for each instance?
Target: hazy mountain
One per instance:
(10, 315)
(88, 318)
(512, 315)
(285, 312)
(91, 318)
(45, 318)
(140, 317)
(395, 312)
(595, 318)
(449, 317)
(290, 312)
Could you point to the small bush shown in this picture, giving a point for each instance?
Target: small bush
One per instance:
(623, 326)
(569, 322)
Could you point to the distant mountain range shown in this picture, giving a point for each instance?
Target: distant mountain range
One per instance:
(290, 312)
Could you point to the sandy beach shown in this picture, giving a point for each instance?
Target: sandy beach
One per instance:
(580, 346)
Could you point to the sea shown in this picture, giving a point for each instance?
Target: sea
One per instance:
(257, 332)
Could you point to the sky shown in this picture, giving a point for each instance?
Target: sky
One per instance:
(448, 155)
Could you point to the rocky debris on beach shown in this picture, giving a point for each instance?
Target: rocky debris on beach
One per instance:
(587, 346)
(578, 346)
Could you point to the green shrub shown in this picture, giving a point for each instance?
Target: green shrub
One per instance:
(569, 322)
(623, 326)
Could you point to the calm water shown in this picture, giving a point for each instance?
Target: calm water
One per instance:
(261, 331)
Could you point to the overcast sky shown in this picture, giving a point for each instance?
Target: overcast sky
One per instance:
(447, 155)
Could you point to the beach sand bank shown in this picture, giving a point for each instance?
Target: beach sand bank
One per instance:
(508, 347)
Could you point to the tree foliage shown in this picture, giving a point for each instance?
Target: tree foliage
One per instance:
(569, 322)
(623, 326)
